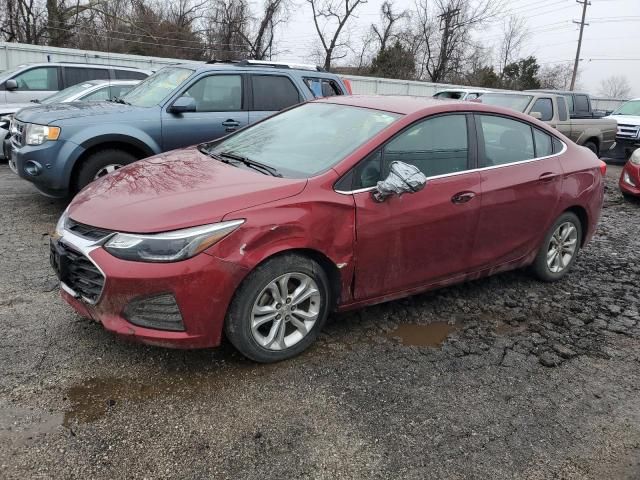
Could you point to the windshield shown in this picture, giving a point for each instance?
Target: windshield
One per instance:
(514, 102)
(450, 94)
(155, 88)
(307, 140)
(629, 108)
(63, 95)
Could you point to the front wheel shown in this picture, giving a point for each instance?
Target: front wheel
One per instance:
(100, 164)
(559, 248)
(279, 309)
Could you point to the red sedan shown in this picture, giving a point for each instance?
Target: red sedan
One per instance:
(630, 177)
(331, 205)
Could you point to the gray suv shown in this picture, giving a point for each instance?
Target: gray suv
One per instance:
(63, 147)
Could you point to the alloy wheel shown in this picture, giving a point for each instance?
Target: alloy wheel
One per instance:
(285, 311)
(106, 170)
(562, 247)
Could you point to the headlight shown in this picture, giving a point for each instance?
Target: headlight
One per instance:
(635, 157)
(169, 246)
(62, 221)
(38, 134)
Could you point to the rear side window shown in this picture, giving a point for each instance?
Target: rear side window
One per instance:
(75, 75)
(323, 87)
(273, 92)
(544, 106)
(582, 103)
(40, 78)
(562, 109)
(544, 146)
(505, 140)
(557, 145)
(129, 75)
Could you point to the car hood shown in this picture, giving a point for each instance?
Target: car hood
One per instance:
(177, 189)
(626, 119)
(46, 114)
(8, 108)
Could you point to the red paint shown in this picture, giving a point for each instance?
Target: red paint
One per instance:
(633, 171)
(381, 251)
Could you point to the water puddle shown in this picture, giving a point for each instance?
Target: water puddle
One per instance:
(431, 335)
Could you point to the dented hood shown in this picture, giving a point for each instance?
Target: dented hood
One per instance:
(178, 189)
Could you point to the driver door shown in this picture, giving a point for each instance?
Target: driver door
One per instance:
(419, 238)
(34, 84)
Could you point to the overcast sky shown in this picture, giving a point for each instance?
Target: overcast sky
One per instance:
(611, 44)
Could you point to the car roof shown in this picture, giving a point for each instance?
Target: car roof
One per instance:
(465, 90)
(240, 66)
(73, 64)
(557, 92)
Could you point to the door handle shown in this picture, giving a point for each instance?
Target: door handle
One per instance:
(462, 197)
(230, 123)
(547, 176)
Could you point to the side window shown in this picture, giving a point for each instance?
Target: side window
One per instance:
(129, 75)
(40, 78)
(544, 106)
(505, 140)
(436, 146)
(544, 146)
(97, 96)
(217, 93)
(562, 109)
(273, 92)
(322, 87)
(472, 96)
(582, 103)
(75, 75)
(557, 145)
(369, 171)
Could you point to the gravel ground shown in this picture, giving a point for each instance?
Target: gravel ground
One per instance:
(503, 378)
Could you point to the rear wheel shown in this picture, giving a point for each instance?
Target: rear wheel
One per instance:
(559, 248)
(279, 309)
(592, 146)
(100, 164)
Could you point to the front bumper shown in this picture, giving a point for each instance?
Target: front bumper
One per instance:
(48, 159)
(630, 172)
(203, 287)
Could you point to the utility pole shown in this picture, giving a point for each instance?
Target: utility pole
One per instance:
(448, 22)
(584, 3)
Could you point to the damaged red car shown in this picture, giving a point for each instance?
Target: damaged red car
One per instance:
(331, 205)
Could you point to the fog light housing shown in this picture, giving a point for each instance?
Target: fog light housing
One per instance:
(32, 168)
(160, 312)
(627, 179)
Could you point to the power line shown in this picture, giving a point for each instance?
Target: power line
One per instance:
(584, 4)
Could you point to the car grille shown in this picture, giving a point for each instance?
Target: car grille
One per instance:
(82, 276)
(18, 133)
(628, 131)
(86, 231)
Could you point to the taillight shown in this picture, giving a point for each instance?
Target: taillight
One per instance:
(603, 168)
(347, 84)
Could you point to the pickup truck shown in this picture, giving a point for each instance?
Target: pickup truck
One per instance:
(63, 147)
(597, 134)
(579, 104)
(628, 118)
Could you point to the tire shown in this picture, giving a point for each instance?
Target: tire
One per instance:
(99, 162)
(260, 291)
(593, 147)
(543, 266)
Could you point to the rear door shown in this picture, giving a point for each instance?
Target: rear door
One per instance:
(419, 238)
(35, 84)
(270, 94)
(75, 75)
(221, 108)
(521, 182)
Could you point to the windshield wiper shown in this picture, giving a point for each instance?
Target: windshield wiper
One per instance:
(251, 163)
(120, 100)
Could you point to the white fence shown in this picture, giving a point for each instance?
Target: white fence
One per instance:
(13, 54)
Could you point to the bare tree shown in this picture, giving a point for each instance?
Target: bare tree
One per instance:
(514, 33)
(615, 86)
(330, 18)
(385, 31)
(261, 42)
(556, 77)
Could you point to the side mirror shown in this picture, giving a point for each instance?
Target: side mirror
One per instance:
(402, 178)
(182, 105)
(536, 115)
(11, 84)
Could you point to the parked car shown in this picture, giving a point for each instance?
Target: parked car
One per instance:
(63, 147)
(90, 91)
(579, 104)
(630, 176)
(460, 93)
(598, 135)
(628, 118)
(37, 81)
(330, 205)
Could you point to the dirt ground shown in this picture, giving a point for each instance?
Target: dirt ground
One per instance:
(502, 378)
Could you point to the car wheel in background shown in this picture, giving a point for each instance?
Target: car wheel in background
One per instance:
(559, 248)
(101, 163)
(279, 309)
(593, 147)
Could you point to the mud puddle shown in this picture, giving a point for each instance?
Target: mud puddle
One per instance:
(431, 335)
